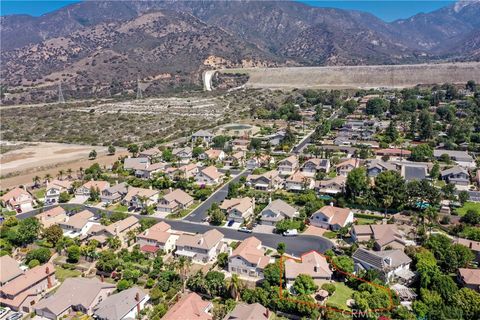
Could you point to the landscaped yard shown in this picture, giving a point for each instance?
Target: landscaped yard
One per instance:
(120, 208)
(363, 221)
(340, 296)
(475, 206)
(330, 235)
(40, 193)
(63, 274)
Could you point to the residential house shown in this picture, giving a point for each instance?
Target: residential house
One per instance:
(9, 269)
(114, 194)
(158, 237)
(183, 154)
(124, 305)
(330, 217)
(384, 236)
(208, 176)
(299, 182)
(54, 188)
(201, 248)
(312, 264)
(457, 175)
(74, 295)
(288, 165)
(243, 311)
(77, 224)
(268, 181)
(344, 167)
(84, 190)
(474, 246)
(313, 166)
(203, 136)
(469, 278)
(375, 167)
(186, 171)
(276, 211)
(151, 154)
(213, 154)
(239, 209)
(462, 158)
(192, 307)
(412, 172)
(259, 162)
(139, 198)
(148, 170)
(117, 229)
(237, 159)
(18, 199)
(390, 264)
(393, 152)
(175, 201)
(52, 216)
(135, 163)
(25, 290)
(249, 259)
(240, 144)
(331, 186)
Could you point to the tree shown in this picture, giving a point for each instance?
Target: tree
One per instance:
(471, 85)
(216, 215)
(272, 274)
(435, 172)
(114, 242)
(36, 181)
(425, 124)
(281, 247)
(33, 263)
(73, 253)
(255, 144)
(357, 183)
(468, 301)
(391, 133)
(53, 234)
(472, 217)
(167, 155)
(42, 255)
(215, 282)
(422, 153)
(376, 106)
(64, 197)
(28, 230)
(92, 155)
(197, 151)
(343, 263)
(304, 284)
(389, 190)
(123, 284)
(107, 261)
(448, 191)
(463, 197)
(234, 287)
(222, 260)
(111, 150)
(133, 149)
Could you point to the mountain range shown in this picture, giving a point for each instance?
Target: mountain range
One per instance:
(99, 45)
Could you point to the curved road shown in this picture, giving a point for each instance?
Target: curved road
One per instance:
(295, 245)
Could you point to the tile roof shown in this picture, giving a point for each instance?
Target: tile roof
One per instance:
(211, 172)
(240, 204)
(139, 192)
(28, 279)
(208, 240)
(120, 226)
(473, 245)
(312, 264)
(290, 160)
(250, 250)
(379, 259)
(14, 193)
(179, 196)
(158, 232)
(79, 219)
(118, 305)
(243, 311)
(101, 185)
(281, 207)
(189, 307)
(65, 184)
(9, 268)
(470, 276)
(51, 213)
(338, 215)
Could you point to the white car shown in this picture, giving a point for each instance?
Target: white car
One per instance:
(291, 233)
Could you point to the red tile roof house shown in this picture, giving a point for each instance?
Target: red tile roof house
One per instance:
(201, 248)
(54, 189)
(24, 291)
(344, 167)
(74, 295)
(213, 154)
(190, 307)
(116, 229)
(330, 217)
(158, 237)
(288, 165)
(268, 181)
(78, 223)
(84, 190)
(276, 211)
(209, 176)
(469, 278)
(243, 311)
(174, 201)
(249, 259)
(299, 182)
(18, 199)
(239, 209)
(52, 216)
(312, 263)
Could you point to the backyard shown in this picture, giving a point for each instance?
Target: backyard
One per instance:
(475, 206)
(341, 295)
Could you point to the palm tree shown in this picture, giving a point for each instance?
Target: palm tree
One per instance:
(80, 170)
(60, 174)
(234, 286)
(183, 266)
(36, 181)
(69, 173)
(48, 177)
(114, 242)
(131, 235)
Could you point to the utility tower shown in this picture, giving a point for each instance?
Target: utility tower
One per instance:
(61, 99)
(139, 90)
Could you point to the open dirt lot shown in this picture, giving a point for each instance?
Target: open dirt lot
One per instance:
(38, 159)
(343, 77)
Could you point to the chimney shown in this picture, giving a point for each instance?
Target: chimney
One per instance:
(470, 245)
(315, 269)
(137, 299)
(266, 313)
(49, 279)
(116, 181)
(102, 278)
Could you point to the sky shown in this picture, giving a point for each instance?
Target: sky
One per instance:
(387, 10)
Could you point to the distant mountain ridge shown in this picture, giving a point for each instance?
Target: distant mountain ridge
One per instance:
(175, 40)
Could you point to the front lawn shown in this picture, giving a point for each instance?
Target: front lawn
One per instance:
(475, 206)
(330, 234)
(63, 274)
(340, 296)
(120, 208)
(40, 193)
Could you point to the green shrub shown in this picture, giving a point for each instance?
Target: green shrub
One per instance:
(330, 288)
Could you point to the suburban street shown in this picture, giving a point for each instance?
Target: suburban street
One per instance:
(200, 213)
(295, 245)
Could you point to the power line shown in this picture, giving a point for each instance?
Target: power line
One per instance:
(61, 99)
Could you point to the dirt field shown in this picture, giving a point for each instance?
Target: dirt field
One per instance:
(37, 159)
(395, 76)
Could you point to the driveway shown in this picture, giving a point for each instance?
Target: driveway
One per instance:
(78, 199)
(200, 213)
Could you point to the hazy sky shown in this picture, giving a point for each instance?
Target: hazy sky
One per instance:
(388, 10)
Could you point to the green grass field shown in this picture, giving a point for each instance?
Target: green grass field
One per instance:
(63, 274)
(341, 295)
(475, 206)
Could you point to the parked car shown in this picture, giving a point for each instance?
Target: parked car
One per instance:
(230, 223)
(15, 316)
(245, 229)
(3, 312)
(291, 233)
